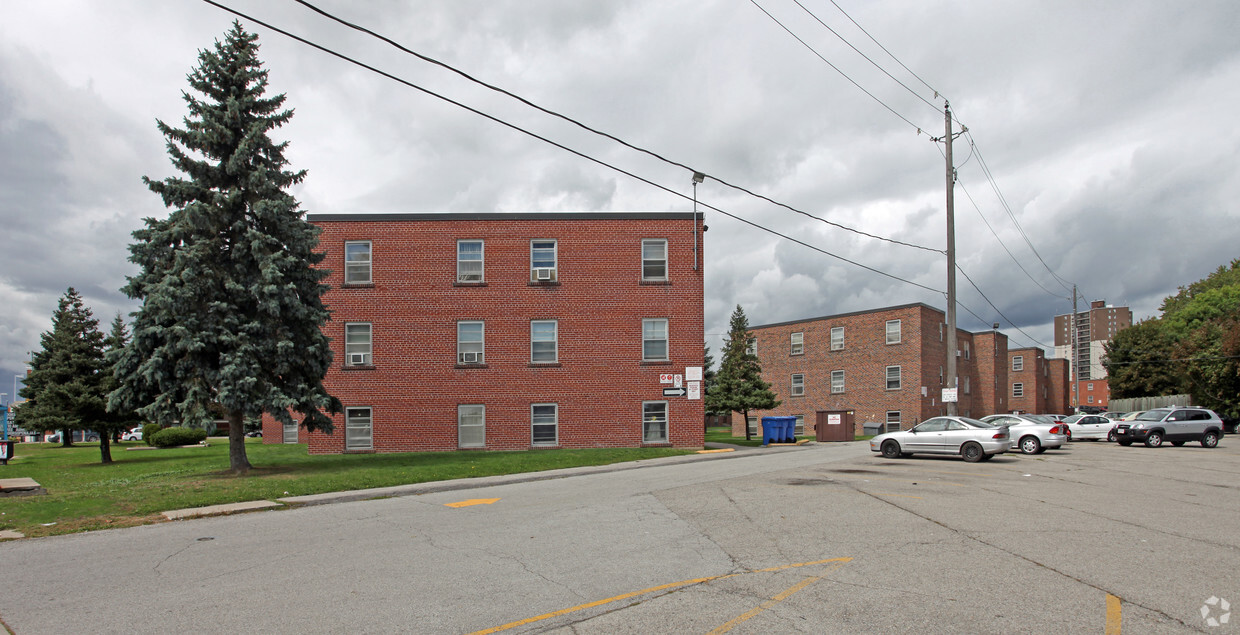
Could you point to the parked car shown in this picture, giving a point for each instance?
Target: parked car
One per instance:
(1231, 425)
(1090, 427)
(255, 433)
(132, 434)
(971, 439)
(1176, 424)
(1031, 434)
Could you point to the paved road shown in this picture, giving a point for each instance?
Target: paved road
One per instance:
(818, 539)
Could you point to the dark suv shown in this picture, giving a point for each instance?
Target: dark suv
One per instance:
(1175, 424)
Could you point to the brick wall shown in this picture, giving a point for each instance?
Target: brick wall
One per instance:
(864, 358)
(414, 383)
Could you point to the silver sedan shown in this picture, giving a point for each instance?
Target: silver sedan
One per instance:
(968, 438)
(1032, 434)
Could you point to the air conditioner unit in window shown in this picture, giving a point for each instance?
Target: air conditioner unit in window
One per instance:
(542, 274)
(469, 358)
(357, 359)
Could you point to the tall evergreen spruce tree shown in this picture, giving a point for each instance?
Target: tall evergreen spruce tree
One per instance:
(738, 386)
(113, 347)
(64, 389)
(231, 303)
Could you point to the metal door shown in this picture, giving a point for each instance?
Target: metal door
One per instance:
(834, 425)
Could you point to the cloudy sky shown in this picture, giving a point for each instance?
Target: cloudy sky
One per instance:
(1103, 134)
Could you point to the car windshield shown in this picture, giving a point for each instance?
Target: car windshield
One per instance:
(1073, 419)
(978, 424)
(1152, 415)
(1040, 418)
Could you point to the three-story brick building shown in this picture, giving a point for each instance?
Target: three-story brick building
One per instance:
(510, 331)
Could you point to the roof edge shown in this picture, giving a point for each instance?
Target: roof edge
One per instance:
(496, 216)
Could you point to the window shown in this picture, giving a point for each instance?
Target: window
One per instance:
(966, 384)
(798, 385)
(654, 260)
(1089, 386)
(1018, 363)
(798, 343)
(753, 424)
(967, 348)
(357, 345)
(542, 261)
(357, 429)
(837, 338)
(1018, 389)
(544, 425)
(357, 262)
(654, 340)
(893, 331)
(752, 347)
(800, 427)
(469, 261)
(290, 432)
(470, 337)
(893, 378)
(893, 420)
(837, 381)
(471, 426)
(654, 422)
(1091, 399)
(543, 346)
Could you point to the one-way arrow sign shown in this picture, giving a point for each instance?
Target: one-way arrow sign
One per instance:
(674, 392)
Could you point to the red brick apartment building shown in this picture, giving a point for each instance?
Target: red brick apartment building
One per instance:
(1039, 384)
(511, 331)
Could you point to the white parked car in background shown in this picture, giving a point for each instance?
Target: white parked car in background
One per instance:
(1031, 434)
(132, 434)
(1090, 427)
(967, 438)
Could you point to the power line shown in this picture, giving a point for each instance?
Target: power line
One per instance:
(933, 105)
(1002, 244)
(867, 34)
(556, 144)
(834, 67)
(595, 131)
(992, 305)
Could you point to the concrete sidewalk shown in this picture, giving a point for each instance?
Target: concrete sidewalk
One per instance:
(713, 452)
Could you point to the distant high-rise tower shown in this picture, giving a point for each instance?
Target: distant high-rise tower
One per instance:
(1094, 327)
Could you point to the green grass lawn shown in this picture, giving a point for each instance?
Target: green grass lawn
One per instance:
(724, 435)
(84, 494)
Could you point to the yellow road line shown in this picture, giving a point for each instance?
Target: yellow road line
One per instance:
(662, 587)
(776, 599)
(471, 502)
(1114, 615)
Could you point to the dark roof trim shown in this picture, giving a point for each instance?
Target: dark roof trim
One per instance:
(844, 315)
(493, 216)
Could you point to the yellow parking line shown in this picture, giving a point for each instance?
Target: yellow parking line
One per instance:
(662, 587)
(1114, 615)
(776, 599)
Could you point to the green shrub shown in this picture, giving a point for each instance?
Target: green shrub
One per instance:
(149, 431)
(171, 437)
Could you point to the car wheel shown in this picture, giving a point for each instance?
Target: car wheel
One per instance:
(1111, 436)
(891, 449)
(1154, 440)
(1030, 445)
(972, 452)
(1210, 440)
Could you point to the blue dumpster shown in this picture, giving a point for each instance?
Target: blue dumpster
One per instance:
(790, 429)
(772, 430)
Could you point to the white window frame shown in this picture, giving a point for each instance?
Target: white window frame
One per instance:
(538, 420)
(799, 429)
(966, 384)
(471, 421)
(653, 420)
(650, 260)
(467, 277)
(355, 424)
(1018, 363)
(1018, 389)
(837, 343)
(286, 428)
(751, 347)
(967, 349)
(899, 379)
(896, 331)
(358, 268)
(837, 382)
(650, 332)
(796, 343)
(893, 416)
(540, 271)
(353, 347)
(544, 356)
(464, 348)
(797, 387)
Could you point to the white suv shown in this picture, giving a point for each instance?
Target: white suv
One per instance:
(1175, 424)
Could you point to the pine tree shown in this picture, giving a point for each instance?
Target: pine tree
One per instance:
(64, 388)
(231, 302)
(113, 347)
(738, 386)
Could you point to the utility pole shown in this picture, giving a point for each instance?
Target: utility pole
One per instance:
(951, 257)
(1076, 356)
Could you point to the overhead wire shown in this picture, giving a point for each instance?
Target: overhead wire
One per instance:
(598, 132)
(889, 54)
(558, 145)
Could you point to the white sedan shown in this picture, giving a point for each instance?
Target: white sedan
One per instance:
(1090, 427)
(970, 439)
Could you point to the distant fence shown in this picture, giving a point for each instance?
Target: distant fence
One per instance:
(1146, 403)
